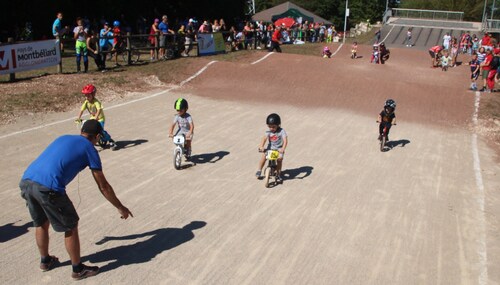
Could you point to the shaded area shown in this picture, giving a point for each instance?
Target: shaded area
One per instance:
(208, 157)
(398, 143)
(297, 173)
(127, 144)
(10, 231)
(143, 251)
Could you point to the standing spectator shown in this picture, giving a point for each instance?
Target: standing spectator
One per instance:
(223, 27)
(216, 26)
(43, 186)
(105, 43)
(474, 69)
(249, 33)
(164, 31)
(494, 64)
(153, 32)
(408, 37)
(475, 43)
(276, 40)
(485, 68)
(204, 28)
(116, 40)
(58, 30)
(190, 36)
(80, 35)
(378, 33)
(92, 44)
(486, 41)
(446, 41)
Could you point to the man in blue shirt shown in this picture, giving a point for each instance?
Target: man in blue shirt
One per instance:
(164, 30)
(43, 186)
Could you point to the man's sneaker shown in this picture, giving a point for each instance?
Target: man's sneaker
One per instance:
(87, 271)
(49, 265)
(258, 174)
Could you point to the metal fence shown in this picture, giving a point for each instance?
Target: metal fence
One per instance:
(491, 25)
(427, 14)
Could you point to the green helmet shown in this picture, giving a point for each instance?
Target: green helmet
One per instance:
(180, 104)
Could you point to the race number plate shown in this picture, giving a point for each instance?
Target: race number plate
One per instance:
(273, 155)
(179, 140)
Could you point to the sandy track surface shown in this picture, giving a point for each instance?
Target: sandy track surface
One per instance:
(346, 213)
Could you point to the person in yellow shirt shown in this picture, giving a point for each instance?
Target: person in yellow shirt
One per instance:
(96, 111)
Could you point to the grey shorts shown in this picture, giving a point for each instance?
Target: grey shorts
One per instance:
(45, 204)
(163, 39)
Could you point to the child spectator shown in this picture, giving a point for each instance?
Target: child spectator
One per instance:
(92, 44)
(354, 50)
(96, 111)
(153, 32)
(474, 69)
(184, 122)
(408, 37)
(116, 40)
(454, 52)
(326, 52)
(105, 42)
(446, 61)
(475, 43)
(80, 35)
(485, 68)
(278, 140)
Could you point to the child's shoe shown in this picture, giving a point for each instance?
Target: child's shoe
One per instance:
(258, 174)
(279, 179)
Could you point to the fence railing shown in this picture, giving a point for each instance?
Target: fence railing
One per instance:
(428, 14)
(491, 25)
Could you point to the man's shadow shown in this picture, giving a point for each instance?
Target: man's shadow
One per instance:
(127, 144)
(143, 251)
(399, 143)
(10, 231)
(297, 173)
(208, 157)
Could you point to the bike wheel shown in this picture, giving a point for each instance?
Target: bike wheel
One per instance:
(267, 175)
(177, 159)
(383, 140)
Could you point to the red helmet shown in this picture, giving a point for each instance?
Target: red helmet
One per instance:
(88, 89)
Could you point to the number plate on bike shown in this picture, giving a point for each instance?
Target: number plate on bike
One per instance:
(273, 155)
(179, 140)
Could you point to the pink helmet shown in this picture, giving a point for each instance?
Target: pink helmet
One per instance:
(326, 49)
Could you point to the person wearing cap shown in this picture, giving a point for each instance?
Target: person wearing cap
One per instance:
(276, 40)
(164, 31)
(189, 38)
(43, 187)
(105, 43)
(152, 37)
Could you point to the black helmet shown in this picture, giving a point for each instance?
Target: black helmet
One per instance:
(390, 103)
(273, 119)
(180, 104)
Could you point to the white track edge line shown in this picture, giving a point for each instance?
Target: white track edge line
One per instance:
(340, 46)
(386, 36)
(264, 57)
(114, 106)
(482, 250)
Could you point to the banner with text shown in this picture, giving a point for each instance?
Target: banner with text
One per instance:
(29, 56)
(211, 44)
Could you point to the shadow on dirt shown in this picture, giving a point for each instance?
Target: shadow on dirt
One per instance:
(399, 143)
(127, 144)
(159, 241)
(208, 157)
(10, 231)
(297, 173)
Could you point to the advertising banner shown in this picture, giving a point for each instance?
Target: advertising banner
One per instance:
(28, 56)
(211, 44)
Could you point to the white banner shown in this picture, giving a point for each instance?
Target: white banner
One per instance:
(28, 56)
(210, 44)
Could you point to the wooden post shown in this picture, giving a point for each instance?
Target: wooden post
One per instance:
(59, 66)
(157, 41)
(129, 50)
(12, 76)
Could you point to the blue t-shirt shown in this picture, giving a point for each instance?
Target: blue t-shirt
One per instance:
(61, 161)
(163, 28)
(56, 26)
(103, 43)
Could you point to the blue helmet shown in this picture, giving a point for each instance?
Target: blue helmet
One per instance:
(116, 23)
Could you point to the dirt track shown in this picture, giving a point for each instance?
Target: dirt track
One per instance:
(346, 213)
